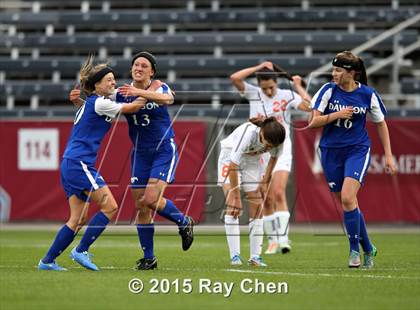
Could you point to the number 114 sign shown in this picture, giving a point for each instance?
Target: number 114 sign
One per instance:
(38, 149)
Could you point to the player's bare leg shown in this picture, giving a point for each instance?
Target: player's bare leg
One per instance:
(277, 191)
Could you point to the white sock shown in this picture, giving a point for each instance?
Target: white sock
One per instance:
(233, 235)
(282, 218)
(256, 236)
(270, 227)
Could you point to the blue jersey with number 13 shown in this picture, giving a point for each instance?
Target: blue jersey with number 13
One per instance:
(151, 125)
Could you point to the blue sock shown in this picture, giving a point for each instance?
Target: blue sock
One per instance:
(95, 227)
(171, 212)
(146, 233)
(352, 222)
(62, 240)
(364, 238)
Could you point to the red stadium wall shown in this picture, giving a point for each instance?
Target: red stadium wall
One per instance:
(383, 198)
(30, 159)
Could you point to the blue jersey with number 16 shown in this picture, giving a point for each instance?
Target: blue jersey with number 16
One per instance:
(346, 132)
(151, 125)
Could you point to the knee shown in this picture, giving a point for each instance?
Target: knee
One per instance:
(348, 201)
(280, 196)
(148, 202)
(110, 209)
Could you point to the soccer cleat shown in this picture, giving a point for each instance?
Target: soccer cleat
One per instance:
(50, 266)
(368, 258)
(146, 263)
(285, 247)
(83, 259)
(187, 234)
(256, 261)
(354, 259)
(236, 261)
(272, 248)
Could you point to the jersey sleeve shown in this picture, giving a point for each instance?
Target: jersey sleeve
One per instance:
(164, 89)
(250, 92)
(104, 106)
(241, 146)
(377, 108)
(320, 100)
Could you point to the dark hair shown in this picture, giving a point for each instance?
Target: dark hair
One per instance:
(349, 61)
(266, 74)
(149, 57)
(272, 130)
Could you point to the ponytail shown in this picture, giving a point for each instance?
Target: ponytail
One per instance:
(361, 75)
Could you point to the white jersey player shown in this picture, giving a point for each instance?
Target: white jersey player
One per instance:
(238, 167)
(267, 100)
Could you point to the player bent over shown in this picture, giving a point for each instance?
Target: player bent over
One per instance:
(238, 167)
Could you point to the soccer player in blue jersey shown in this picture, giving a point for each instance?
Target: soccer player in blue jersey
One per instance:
(154, 156)
(340, 106)
(81, 181)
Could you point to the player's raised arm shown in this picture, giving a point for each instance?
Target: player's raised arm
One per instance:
(133, 107)
(305, 105)
(238, 77)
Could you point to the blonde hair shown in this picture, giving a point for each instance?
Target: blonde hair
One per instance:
(86, 72)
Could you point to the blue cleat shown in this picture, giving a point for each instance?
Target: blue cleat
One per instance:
(50, 266)
(236, 261)
(83, 259)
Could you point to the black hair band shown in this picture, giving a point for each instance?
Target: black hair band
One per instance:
(348, 65)
(98, 76)
(149, 57)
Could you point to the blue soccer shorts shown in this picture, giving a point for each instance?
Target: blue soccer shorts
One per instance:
(339, 163)
(78, 177)
(154, 163)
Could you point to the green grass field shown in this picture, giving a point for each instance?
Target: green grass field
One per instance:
(315, 273)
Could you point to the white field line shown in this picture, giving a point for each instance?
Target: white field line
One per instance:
(262, 272)
(326, 275)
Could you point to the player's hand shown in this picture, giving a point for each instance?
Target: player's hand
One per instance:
(266, 64)
(297, 80)
(74, 95)
(234, 203)
(262, 189)
(141, 101)
(346, 113)
(390, 166)
(128, 90)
